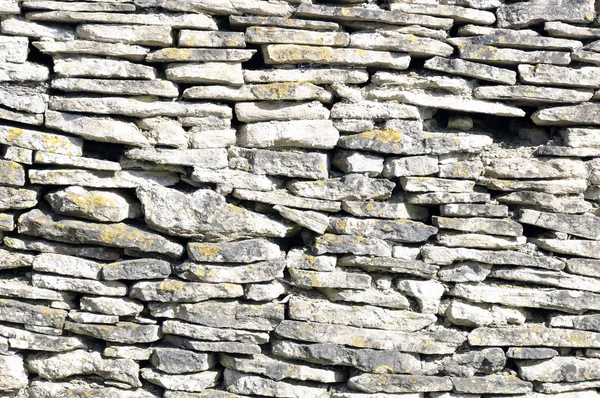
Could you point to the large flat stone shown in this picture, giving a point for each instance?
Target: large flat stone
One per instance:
(373, 383)
(289, 163)
(524, 14)
(317, 134)
(560, 369)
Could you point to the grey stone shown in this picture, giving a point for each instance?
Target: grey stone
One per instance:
(506, 227)
(399, 383)
(318, 134)
(111, 306)
(567, 115)
(473, 210)
(172, 290)
(40, 141)
(446, 256)
(290, 163)
(532, 94)
(535, 168)
(244, 383)
(521, 15)
(257, 272)
(391, 265)
(373, 110)
(394, 230)
(213, 333)
(349, 187)
(67, 265)
(415, 46)
(466, 271)
(228, 179)
(23, 339)
(86, 286)
(495, 384)
(30, 314)
(584, 266)
(122, 332)
(37, 223)
(560, 369)
(245, 251)
(509, 56)
(159, 88)
(290, 91)
(14, 49)
(199, 55)
(413, 81)
(584, 225)
(265, 291)
(23, 72)
(359, 245)
(312, 220)
(556, 186)
(101, 179)
(272, 35)
(410, 166)
(531, 353)
(90, 66)
(336, 279)
(198, 38)
(582, 248)
(545, 201)
(87, 47)
(23, 99)
(211, 139)
(207, 72)
(176, 361)
(300, 259)
(561, 29)
(75, 161)
(44, 246)
(129, 34)
(436, 198)
(384, 210)
(14, 373)
(11, 173)
(284, 198)
(81, 388)
(472, 69)
(184, 382)
(313, 75)
(585, 77)
(273, 110)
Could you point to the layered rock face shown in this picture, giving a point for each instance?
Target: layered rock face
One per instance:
(299, 199)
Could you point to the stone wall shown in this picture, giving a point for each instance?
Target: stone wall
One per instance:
(296, 199)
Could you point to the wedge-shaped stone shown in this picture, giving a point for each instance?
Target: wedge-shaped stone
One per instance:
(193, 21)
(494, 384)
(273, 35)
(374, 383)
(442, 341)
(111, 306)
(393, 41)
(561, 29)
(547, 277)
(445, 101)
(373, 361)
(244, 251)
(581, 137)
(206, 73)
(394, 230)
(75, 161)
(157, 36)
(198, 38)
(67, 265)
(505, 227)
(585, 225)
(24, 289)
(472, 69)
(301, 309)
(586, 77)
(509, 56)
(582, 248)
(93, 205)
(283, 198)
(317, 134)
(387, 297)
(292, 91)
(313, 165)
(45, 246)
(446, 256)
(230, 314)
(23, 98)
(87, 47)
(14, 49)
(37, 140)
(312, 75)
(182, 382)
(88, 66)
(480, 241)
(102, 129)
(518, 40)
(373, 110)
(359, 245)
(258, 272)
(37, 223)
(277, 369)
(15, 311)
(431, 184)
(299, 54)
(524, 14)
(561, 300)
(203, 213)
(199, 55)
(533, 94)
(102, 179)
(365, 14)
(582, 322)
(275, 110)
(300, 259)
(567, 115)
(388, 264)
(23, 339)
(21, 27)
(312, 220)
(349, 187)
(385, 210)
(519, 168)
(81, 388)
(560, 369)
(336, 279)
(557, 186)
(160, 88)
(245, 383)
(123, 332)
(171, 290)
(208, 333)
(81, 362)
(77, 285)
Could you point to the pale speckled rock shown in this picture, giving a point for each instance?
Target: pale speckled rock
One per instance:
(349, 187)
(301, 54)
(427, 293)
(23, 289)
(335, 279)
(445, 256)
(7, 222)
(90, 66)
(560, 369)
(122, 332)
(568, 204)
(473, 210)
(432, 184)
(14, 49)
(37, 223)
(82, 389)
(584, 266)
(359, 245)
(198, 38)
(531, 353)
(159, 88)
(519, 41)
(45, 246)
(67, 265)
(415, 46)
(213, 334)
(358, 162)
(75, 161)
(556, 186)
(185, 382)
(384, 210)
(86, 286)
(533, 95)
(14, 373)
(531, 12)
(206, 73)
(244, 383)
(172, 54)
(113, 350)
(466, 271)
(394, 230)
(11, 173)
(582, 248)
(557, 299)
(317, 134)
(23, 99)
(273, 110)
(313, 75)
(209, 393)
(203, 213)
(164, 131)
(546, 277)
(290, 163)
(373, 110)
(265, 291)
(88, 317)
(581, 137)
(257, 272)
(101, 179)
(244, 251)
(111, 306)
(509, 56)
(374, 295)
(399, 383)
(567, 115)
(157, 36)
(87, 47)
(506, 227)
(543, 74)
(374, 361)
(585, 225)
(561, 29)
(79, 362)
(476, 315)
(312, 220)
(533, 335)
(300, 259)
(390, 265)
(172, 290)
(74, 6)
(14, 153)
(21, 72)
(277, 369)
(204, 139)
(272, 35)
(283, 197)
(228, 179)
(37, 140)
(15, 311)
(226, 314)
(211, 158)
(495, 384)
(289, 91)
(480, 241)
(472, 69)
(518, 168)
(93, 205)
(301, 309)
(442, 341)
(96, 128)
(410, 166)
(175, 361)
(24, 339)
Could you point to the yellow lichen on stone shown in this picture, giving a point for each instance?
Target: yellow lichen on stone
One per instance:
(384, 136)
(206, 250)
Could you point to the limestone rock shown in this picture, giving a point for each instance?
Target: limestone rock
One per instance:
(122, 332)
(263, 35)
(399, 383)
(384, 210)
(560, 369)
(87, 47)
(359, 245)
(214, 334)
(583, 248)
(410, 166)
(394, 230)
(184, 382)
(272, 110)
(284, 198)
(389, 40)
(258, 272)
(175, 361)
(37, 140)
(312, 220)
(67, 265)
(568, 204)
(391, 265)
(111, 306)
(14, 373)
(289, 163)
(349, 187)
(313, 75)
(128, 34)
(525, 14)
(495, 384)
(318, 134)
(172, 290)
(86, 286)
(336, 279)
(90, 66)
(585, 225)
(207, 72)
(244, 383)
(199, 38)
(160, 88)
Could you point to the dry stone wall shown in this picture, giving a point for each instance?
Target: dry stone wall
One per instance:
(299, 199)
